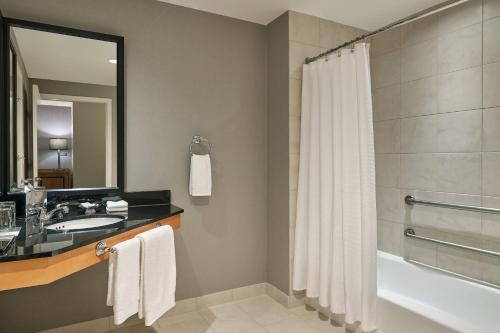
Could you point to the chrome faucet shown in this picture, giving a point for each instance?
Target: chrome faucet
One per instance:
(35, 203)
(59, 211)
(36, 209)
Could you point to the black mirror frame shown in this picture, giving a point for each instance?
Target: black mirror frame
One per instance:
(6, 23)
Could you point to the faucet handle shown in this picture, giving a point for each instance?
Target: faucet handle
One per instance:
(64, 206)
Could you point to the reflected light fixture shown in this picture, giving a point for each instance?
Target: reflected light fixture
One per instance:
(59, 144)
(113, 61)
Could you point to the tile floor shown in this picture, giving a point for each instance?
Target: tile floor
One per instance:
(259, 314)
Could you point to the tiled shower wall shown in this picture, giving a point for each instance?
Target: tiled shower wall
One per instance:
(436, 97)
(308, 36)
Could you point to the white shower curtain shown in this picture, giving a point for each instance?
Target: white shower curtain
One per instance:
(336, 230)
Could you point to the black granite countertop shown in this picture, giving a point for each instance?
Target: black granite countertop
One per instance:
(51, 243)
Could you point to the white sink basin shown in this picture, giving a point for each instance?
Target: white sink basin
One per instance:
(93, 222)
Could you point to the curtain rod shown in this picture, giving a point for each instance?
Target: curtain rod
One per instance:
(426, 12)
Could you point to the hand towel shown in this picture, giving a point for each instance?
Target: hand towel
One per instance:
(158, 273)
(124, 280)
(200, 176)
(116, 206)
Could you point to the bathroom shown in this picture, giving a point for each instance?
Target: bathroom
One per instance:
(237, 83)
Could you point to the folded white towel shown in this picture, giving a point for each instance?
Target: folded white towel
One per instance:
(116, 206)
(124, 280)
(87, 205)
(158, 273)
(200, 176)
(116, 210)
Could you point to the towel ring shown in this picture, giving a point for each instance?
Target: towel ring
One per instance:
(198, 139)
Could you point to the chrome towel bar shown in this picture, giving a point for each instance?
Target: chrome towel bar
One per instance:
(410, 200)
(410, 233)
(101, 248)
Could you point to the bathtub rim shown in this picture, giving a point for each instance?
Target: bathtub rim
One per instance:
(438, 316)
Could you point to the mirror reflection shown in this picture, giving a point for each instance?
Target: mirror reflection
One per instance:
(62, 117)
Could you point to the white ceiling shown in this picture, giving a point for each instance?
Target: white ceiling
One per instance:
(364, 14)
(66, 58)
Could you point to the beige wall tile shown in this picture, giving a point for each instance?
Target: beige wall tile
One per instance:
(390, 237)
(389, 204)
(293, 207)
(491, 9)
(453, 172)
(491, 222)
(460, 49)
(298, 53)
(214, 299)
(491, 269)
(491, 42)
(459, 261)
(443, 218)
(385, 42)
(294, 171)
(387, 168)
(420, 30)
(295, 97)
(460, 16)
(419, 60)
(491, 129)
(387, 103)
(249, 291)
(329, 35)
(491, 85)
(332, 34)
(491, 265)
(294, 135)
(491, 174)
(460, 90)
(451, 132)
(387, 136)
(421, 251)
(386, 70)
(276, 294)
(304, 28)
(419, 97)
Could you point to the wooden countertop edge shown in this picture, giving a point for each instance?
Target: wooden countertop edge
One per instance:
(40, 271)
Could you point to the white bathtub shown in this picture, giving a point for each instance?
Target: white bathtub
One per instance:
(414, 299)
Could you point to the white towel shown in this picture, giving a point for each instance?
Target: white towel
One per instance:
(116, 206)
(200, 176)
(158, 273)
(124, 280)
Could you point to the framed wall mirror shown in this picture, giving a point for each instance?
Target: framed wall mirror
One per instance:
(63, 107)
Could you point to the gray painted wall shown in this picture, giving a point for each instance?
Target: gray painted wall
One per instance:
(53, 122)
(187, 73)
(89, 145)
(277, 155)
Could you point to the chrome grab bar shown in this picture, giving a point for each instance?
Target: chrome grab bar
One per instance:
(410, 200)
(410, 233)
(457, 275)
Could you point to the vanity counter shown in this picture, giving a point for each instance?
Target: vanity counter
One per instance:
(50, 243)
(49, 256)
